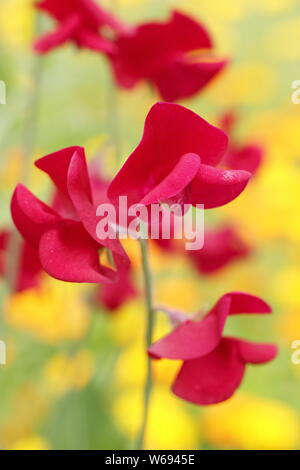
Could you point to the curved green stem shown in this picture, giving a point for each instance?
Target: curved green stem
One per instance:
(149, 338)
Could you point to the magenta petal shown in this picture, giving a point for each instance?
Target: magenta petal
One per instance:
(30, 268)
(151, 46)
(188, 34)
(212, 378)
(176, 181)
(222, 246)
(248, 158)
(56, 165)
(257, 353)
(80, 194)
(69, 254)
(183, 78)
(241, 302)
(215, 187)
(194, 339)
(113, 296)
(102, 16)
(30, 215)
(95, 42)
(189, 340)
(171, 131)
(62, 34)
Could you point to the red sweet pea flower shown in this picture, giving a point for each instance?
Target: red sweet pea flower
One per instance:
(78, 21)
(66, 240)
(247, 157)
(113, 296)
(214, 365)
(221, 247)
(161, 53)
(29, 268)
(176, 161)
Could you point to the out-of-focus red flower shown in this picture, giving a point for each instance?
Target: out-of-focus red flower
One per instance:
(214, 365)
(29, 266)
(67, 239)
(79, 21)
(247, 157)
(113, 296)
(174, 56)
(176, 162)
(221, 247)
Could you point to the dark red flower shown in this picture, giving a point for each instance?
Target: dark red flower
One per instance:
(29, 267)
(176, 162)
(79, 21)
(172, 56)
(214, 365)
(221, 247)
(67, 239)
(247, 157)
(113, 296)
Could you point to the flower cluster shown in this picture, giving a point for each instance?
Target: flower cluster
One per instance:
(174, 56)
(66, 238)
(181, 159)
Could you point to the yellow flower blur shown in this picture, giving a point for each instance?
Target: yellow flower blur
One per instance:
(170, 424)
(53, 312)
(248, 422)
(64, 373)
(33, 442)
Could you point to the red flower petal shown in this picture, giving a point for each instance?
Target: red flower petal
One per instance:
(212, 378)
(255, 353)
(149, 47)
(89, 11)
(30, 215)
(60, 36)
(112, 296)
(247, 158)
(222, 246)
(215, 377)
(171, 131)
(184, 78)
(56, 165)
(176, 181)
(69, 254)
(194, 339)
(215, 187)
(79, 190)
(94, 42)
(241, 302)
(30, 268)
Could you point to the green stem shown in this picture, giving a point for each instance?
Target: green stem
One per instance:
(114, 121)
(149, 339)
(30, 119)
(114, 109)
